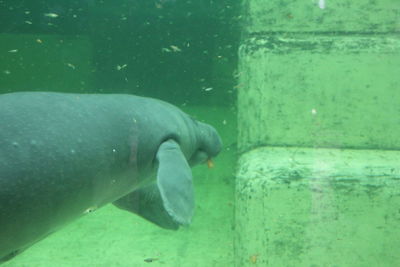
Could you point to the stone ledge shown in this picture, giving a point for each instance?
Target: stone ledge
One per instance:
(321, 16)
(319, 91)
(316, 207)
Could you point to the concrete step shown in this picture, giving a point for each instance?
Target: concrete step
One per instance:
(318, 207)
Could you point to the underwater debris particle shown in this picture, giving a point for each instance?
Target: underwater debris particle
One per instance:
(51, 15)
(150, 259)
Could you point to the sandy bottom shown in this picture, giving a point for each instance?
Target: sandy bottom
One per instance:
(113, 237)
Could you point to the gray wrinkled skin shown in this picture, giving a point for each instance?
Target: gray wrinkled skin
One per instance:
(65, 155)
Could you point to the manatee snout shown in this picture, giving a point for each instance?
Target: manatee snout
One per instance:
(210, 144)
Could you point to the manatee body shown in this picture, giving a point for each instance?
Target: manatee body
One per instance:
(65, 155)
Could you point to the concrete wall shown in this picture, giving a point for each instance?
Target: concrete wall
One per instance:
(316, 73)
(318, 207)
(325, 91)
(316, 80)
(325, 16)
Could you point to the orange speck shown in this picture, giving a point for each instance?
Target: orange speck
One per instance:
(210, 164)
(253, 258)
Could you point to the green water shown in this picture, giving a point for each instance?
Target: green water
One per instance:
(303, 93)
(179, 51)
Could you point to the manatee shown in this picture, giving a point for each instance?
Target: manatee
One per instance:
(65, 155)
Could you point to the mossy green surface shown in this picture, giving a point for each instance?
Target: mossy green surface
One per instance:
(308, 207)
(319, 91)
(321, 16)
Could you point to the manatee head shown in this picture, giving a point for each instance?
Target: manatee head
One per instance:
(209, 144)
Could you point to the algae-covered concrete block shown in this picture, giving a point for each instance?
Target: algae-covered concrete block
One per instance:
(321, 15)
(319, 91)
(30, 62)
(318, 207)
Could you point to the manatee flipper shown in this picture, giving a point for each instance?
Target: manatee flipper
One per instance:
(174, 180)
(147, 203)
(170, 202)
